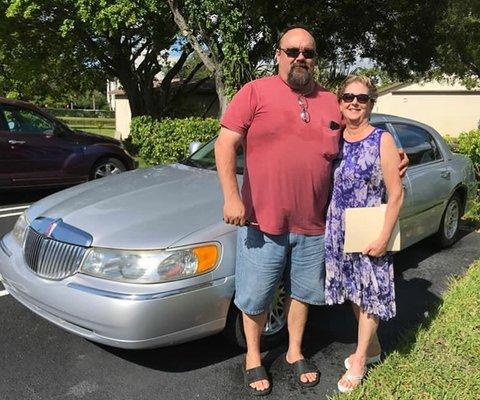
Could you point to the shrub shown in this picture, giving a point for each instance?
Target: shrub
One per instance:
(469, 144)
(167, 141)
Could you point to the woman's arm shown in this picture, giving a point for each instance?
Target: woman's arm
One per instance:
(389, 161)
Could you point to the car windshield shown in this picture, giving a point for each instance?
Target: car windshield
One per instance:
(204, 157)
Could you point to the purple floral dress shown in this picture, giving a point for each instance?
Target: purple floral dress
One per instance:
(364, 280)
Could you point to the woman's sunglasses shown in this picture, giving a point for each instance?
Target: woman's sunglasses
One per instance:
(294, 52)
(361, 98)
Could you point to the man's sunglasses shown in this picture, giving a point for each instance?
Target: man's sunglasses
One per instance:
(294, 52)
(361, 98)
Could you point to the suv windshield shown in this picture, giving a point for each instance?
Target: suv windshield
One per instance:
(204, 157)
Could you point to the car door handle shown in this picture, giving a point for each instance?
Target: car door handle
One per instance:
(445, 174)
(16, 141)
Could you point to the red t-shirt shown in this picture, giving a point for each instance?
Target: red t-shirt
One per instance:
(288, 162)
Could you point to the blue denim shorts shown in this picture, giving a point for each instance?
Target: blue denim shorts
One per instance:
(264, 259)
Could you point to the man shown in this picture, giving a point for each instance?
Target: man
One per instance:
(290, 129)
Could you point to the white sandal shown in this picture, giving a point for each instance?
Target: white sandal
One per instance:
(370, 361)
(351, 379)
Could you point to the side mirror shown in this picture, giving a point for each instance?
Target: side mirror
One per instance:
(193, 147)
(58, 130)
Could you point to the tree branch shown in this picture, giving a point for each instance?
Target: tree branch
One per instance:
(167, 80)
(193, 72)
(187, 32)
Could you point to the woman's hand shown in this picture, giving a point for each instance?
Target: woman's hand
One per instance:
(377, 248)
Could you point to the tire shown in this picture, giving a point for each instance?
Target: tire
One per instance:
(275, 331)
(107, 166)
(450, 225)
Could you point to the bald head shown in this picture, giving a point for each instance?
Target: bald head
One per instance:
(295, 59)
(294, 32)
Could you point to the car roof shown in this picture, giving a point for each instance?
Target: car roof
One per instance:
(14, 102)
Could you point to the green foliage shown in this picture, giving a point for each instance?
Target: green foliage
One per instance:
(166, 141)
(80, 113)
(80, 121)
(458, 38)
(58, 46)
(468, 143)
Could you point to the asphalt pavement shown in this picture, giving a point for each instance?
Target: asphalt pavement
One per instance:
(39, 361)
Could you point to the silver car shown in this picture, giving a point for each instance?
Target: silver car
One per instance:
(143, 259)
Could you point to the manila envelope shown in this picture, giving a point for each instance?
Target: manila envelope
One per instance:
(363, 225)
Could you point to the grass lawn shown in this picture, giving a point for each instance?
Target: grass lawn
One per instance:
(106, 131)
(441, 360)
(101, 126)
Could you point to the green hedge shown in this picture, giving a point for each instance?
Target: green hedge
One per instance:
(88, 121)
(80, 113)
(468, 143)
(167, 140)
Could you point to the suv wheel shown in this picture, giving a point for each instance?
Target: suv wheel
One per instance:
(275, 330)
(449, 227)
(106, 167)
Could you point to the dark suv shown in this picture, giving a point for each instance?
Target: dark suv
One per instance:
(37, 150)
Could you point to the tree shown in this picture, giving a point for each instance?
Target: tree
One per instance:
(233, 37)
(458, 38)
(129, 40)
(33, 61)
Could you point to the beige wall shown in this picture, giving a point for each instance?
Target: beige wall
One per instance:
(447, 108)
(123, 116)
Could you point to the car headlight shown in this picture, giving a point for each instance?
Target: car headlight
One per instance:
(20, 229)
(151, 266)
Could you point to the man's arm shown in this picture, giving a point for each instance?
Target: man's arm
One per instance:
(226, 159)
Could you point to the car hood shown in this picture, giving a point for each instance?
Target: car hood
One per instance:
(143, 209)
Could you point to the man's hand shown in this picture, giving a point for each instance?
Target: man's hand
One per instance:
(404, 161)
(234, 212)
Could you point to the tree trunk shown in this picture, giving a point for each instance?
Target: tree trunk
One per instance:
(222, 97)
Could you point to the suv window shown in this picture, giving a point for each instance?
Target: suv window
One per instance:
(23, 120)
(417, 143)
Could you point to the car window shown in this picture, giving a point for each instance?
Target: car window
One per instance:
(419, 145)
(205, 157)
(22, 120)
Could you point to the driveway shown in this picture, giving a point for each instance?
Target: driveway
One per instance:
(39, 361)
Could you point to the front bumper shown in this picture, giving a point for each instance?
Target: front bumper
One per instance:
(119, 314)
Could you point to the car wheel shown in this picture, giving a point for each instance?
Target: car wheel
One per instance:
(106, 167)
(275, 330)
(449, 227)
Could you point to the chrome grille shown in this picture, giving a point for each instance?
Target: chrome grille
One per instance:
(50, 258)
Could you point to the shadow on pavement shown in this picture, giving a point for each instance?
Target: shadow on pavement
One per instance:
(326, 325)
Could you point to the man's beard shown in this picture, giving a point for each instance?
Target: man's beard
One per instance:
(299, 76)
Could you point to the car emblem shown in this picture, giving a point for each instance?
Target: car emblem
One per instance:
(50, 227)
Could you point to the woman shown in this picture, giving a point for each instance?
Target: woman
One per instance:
(367, 174)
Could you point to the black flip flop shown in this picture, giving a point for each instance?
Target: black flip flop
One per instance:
(253, 375)
(301, 367)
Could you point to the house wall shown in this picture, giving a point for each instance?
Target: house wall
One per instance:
(450, 109)
(203, 104)
(123, 117)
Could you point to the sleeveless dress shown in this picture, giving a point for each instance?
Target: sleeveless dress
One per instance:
(364, 280)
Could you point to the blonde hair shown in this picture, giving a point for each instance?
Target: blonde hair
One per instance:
(365, 80)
